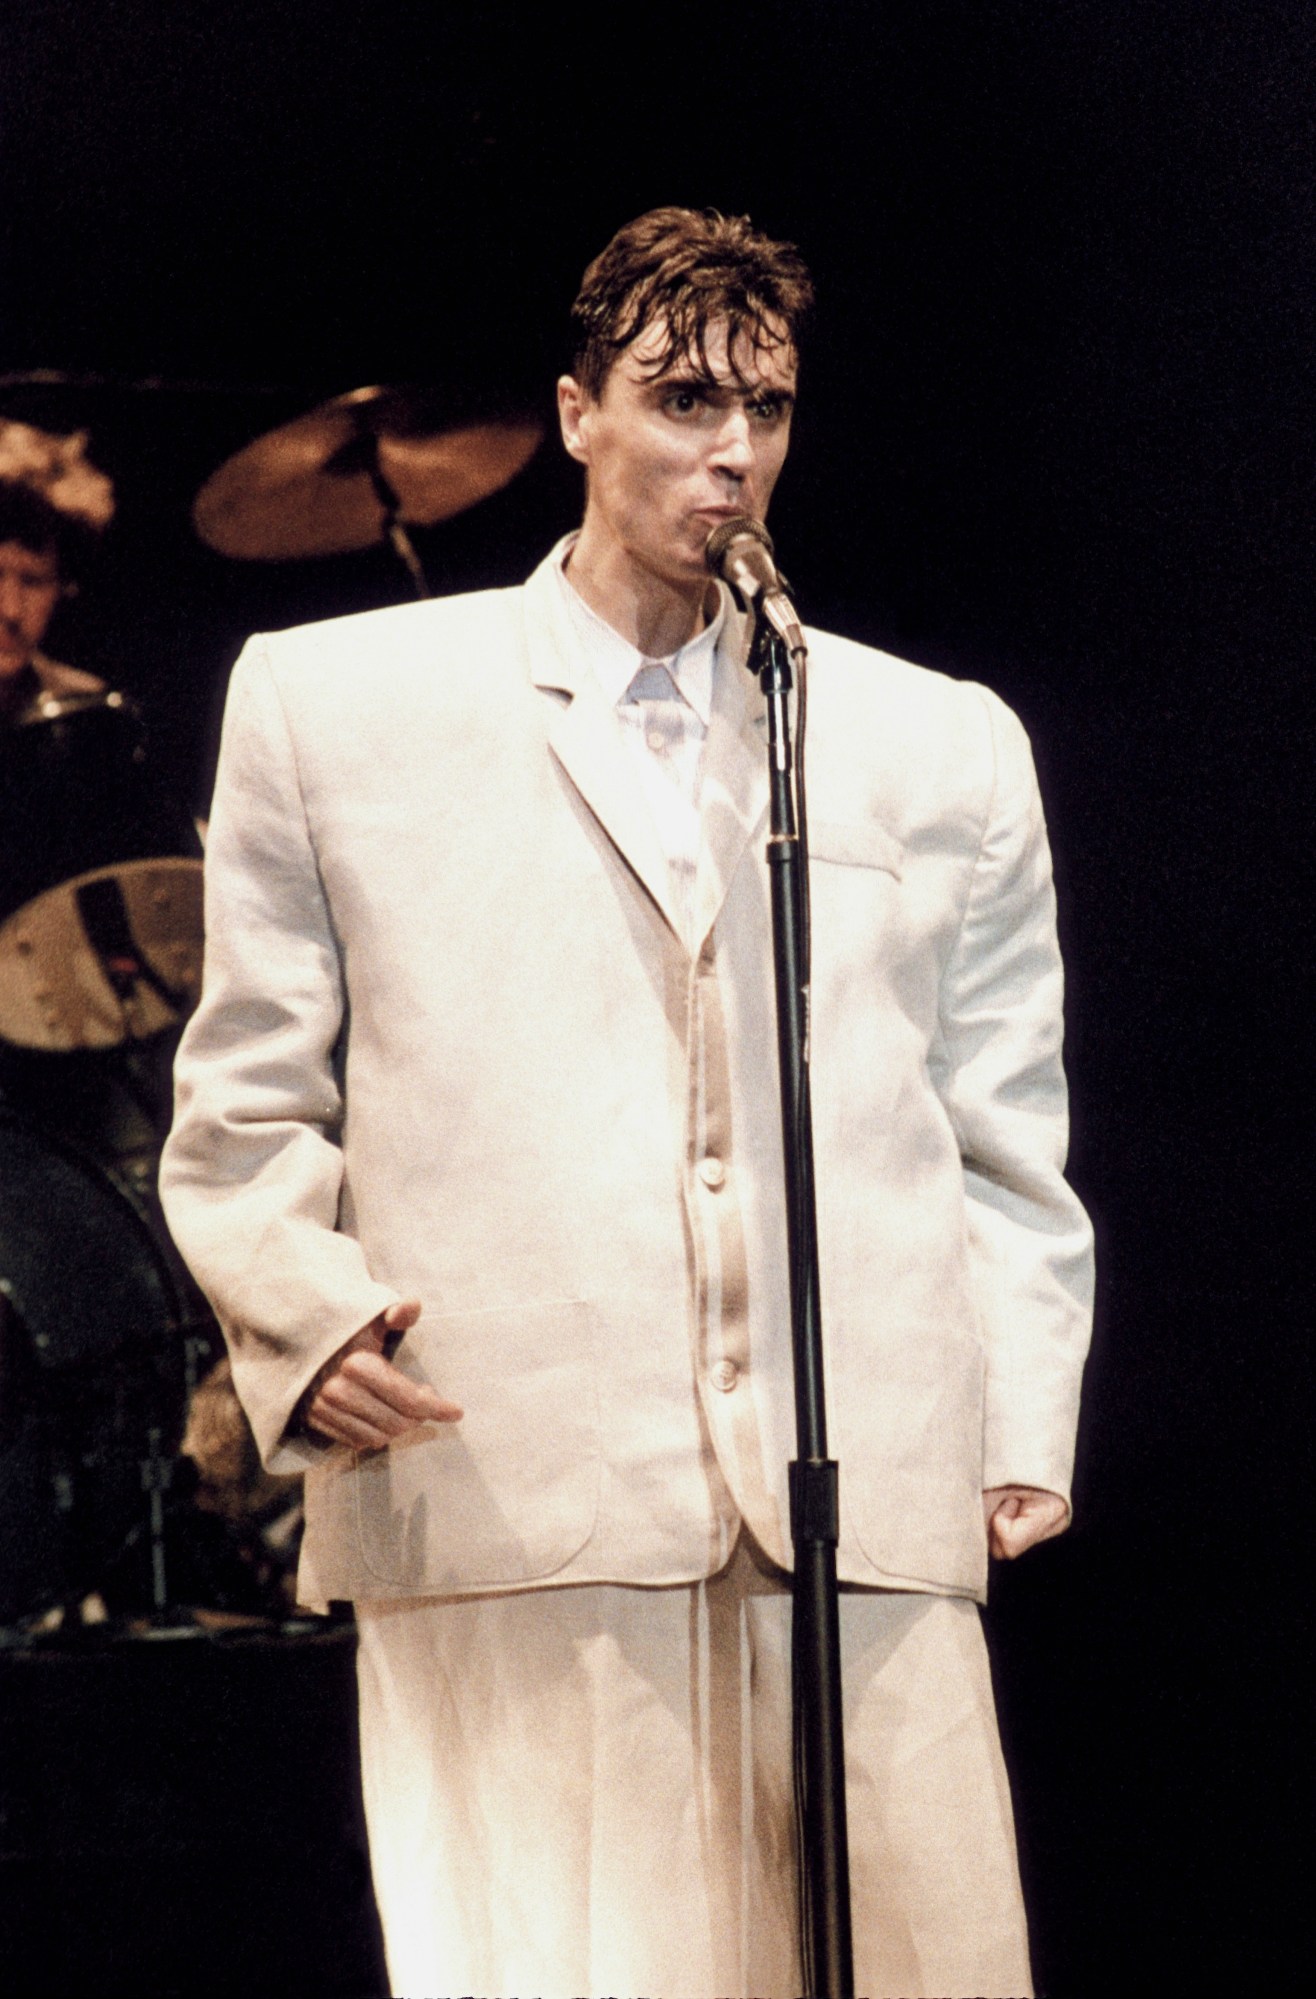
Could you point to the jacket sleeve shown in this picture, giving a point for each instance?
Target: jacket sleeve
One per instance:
(1030, 1242)
(252, 1171)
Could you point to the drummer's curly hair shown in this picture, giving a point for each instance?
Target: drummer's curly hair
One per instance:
(686, 268)
(27, 517)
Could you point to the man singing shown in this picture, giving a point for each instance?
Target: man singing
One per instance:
(478, 1156)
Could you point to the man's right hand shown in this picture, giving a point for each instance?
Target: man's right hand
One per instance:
(361, 1399)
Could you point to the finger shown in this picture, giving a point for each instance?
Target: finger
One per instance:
(1003, 1527)
(1024, 1531)
(356, 1415)
(395, 1323)
(345, 1396)
(1043, 1513)
(345, 1430)
(342, 1428)
(415, 1400)
(1048, 1525)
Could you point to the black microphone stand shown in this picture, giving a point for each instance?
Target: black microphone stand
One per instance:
(815, 1634)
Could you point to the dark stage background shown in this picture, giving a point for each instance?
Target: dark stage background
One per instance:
(1051, 438)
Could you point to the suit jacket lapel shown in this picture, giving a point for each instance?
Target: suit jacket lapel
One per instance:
(586, 738)
(735, 774)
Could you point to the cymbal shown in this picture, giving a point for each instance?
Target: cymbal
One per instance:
(323, 483)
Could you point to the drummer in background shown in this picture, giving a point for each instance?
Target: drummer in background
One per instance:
(54, 504)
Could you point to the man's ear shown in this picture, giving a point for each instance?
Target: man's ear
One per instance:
(572, 411)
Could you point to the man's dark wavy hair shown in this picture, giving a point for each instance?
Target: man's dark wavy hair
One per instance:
(686, 268)
(28, 518)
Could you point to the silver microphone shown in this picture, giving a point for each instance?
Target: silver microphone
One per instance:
(740, 552)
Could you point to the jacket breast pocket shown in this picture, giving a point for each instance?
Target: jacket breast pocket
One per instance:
(856, 844)
(855, 883)
(508, 1494)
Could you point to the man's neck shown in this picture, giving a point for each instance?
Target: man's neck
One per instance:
(654, 615)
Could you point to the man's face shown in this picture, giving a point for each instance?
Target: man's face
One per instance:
(29, 592)
(671, 455)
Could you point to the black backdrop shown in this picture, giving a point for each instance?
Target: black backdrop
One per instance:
(1052, 438)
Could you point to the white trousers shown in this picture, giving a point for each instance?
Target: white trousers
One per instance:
(580, 1793)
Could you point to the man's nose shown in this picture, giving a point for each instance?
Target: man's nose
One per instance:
(11, 600)
(733, 451)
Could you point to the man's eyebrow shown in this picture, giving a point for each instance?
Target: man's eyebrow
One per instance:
(683, 376)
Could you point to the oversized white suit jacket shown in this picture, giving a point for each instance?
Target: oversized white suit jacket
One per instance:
(452, 1044)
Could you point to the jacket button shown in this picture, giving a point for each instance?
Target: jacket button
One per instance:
(724, 1374)
(711, 1171)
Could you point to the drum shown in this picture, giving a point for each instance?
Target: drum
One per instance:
(100, 882)
(92, 1371)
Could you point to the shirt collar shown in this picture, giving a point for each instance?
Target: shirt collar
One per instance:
(614, 661)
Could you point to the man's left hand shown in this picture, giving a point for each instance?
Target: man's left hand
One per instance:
(1019, 1516)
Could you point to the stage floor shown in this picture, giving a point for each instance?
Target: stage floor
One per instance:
(181, 1814)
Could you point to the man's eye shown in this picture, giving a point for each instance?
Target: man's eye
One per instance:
(767, 409)
(683, 400)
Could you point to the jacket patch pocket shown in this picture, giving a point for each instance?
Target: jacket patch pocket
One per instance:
(861, 844)
(508, 1494)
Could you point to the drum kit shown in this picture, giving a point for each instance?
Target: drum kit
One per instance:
(108, 1511)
